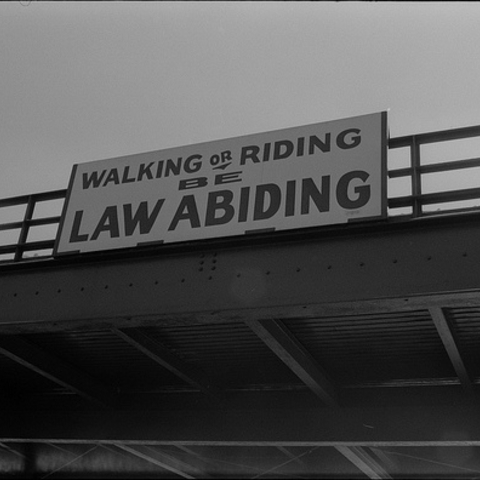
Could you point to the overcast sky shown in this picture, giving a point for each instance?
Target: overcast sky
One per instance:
(83, 81)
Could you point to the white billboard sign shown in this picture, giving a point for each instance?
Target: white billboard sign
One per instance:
(321, 174)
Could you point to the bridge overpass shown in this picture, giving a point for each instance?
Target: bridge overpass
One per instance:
(347, 351)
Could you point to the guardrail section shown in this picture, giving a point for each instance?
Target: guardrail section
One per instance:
(425, 184)
(29, 225)
(433, 173)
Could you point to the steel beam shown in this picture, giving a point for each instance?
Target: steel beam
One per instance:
(364, 462)
(407, 265)
(455, 425)
(390, 465)
(11, 450)
(446, 334)
(203, 461)
(161, 459)
(291, 456)
(30, 356)
(295, 356)
(161, 355)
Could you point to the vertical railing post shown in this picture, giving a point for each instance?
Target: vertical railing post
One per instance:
(25, 228)
(416, 176)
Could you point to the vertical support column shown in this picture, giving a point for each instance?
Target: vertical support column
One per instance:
(25, 228)
(416, 176)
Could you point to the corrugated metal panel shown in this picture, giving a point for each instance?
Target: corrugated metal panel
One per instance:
(16, 379)
(374, 348)
(107, 358)
(354, 350)
(230, 353)
(466, 325)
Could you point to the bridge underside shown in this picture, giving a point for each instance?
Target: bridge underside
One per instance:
(341, 352)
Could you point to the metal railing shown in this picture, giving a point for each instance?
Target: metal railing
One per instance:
(16, 251)
(415, 200)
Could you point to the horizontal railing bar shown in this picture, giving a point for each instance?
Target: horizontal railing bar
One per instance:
(53, 195)
(28, 246)
(400, 172)
(11, 225)
(437, 197)
(37, 197)
(8, 248)
(448, 135)
(12, 201)
(434, 137)
(450, 196)
(399, 202)
(449, 166)
(38, 245)
(450, 211)
(35, 222)
(399, 142)
(436, 167)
